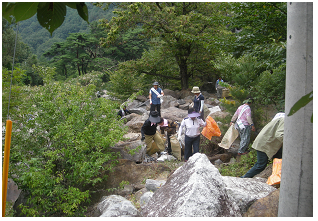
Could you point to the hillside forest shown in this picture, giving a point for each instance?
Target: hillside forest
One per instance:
(62, 133)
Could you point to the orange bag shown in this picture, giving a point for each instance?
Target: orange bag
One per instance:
(275, 178)
(211, 129)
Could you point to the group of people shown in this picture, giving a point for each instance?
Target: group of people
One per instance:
(268, 143)
(192, 123)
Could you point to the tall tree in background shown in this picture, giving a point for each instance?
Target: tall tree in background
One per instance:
(180, 25)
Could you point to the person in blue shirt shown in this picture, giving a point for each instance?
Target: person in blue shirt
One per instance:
(198, 101)
(155, 97)
(219, 88)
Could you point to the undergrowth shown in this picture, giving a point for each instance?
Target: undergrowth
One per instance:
(243, 164)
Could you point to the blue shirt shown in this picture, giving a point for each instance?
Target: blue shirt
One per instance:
(154, 98)
(197, 102)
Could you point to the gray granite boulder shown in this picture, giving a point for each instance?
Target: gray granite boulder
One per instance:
(117, 206)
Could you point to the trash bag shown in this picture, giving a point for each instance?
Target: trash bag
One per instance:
(154, 148)
(175, 147)
(229, 137)
(211, 129)
(275, 178)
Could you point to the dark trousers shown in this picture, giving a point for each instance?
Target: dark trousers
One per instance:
(189, 142)
(261, 163)
(153, 107)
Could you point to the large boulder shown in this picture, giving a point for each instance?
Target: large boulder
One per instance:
(131, 150)
(194, 190)
(174, 114)
(245, 191)
(169, 101)
(265, 207)
(117, 206)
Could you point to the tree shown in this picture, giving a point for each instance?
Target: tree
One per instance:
(180, 25)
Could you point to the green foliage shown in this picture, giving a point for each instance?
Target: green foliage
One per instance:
(239, 168)
(182, 27)
(124, 82)
(60, 146)
(50, 15)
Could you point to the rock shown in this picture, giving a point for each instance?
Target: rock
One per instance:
(131, 137)
(174, 114)
(168, 101)
(154, 185)
(142, 98)
(194, 190)
(117, 206)
(131, 150)
(171, 93)
(219, 114)
(245, 191)
(136, 123)
(214, 109)
(144, 199)
(127, 190)
(184, 106)
(218, 162)
(138, 110)
(13, 191)
(139, 193)
(265, 207)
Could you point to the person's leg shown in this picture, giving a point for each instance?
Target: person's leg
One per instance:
(159, 109)
(152, 107)
(188, 147)
(245, 135)
(196, 144)
(159, 142)
(259, 166)
(169, 150)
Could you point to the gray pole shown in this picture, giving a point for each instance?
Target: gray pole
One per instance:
(296, 192)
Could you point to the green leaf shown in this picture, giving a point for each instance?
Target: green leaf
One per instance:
(51, 15)
(71, 4)
(82, 11)
(301, 103)
(25, 10)
(7, 10)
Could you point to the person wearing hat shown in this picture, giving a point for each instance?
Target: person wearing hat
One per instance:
(244, 124)
(170, 127)
(149, 132)
(192, 126)
(198, 101)
(219, 88)
(155, 95)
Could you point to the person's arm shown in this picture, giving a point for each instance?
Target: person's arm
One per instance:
(234, 118)
(143, 130)
(250, 121)
(202, 104)
(150, 97)
(181, 129)
(202, 123)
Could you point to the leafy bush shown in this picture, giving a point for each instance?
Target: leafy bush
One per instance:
(60, 146)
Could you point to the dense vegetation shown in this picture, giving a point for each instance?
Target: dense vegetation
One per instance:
(62, 132)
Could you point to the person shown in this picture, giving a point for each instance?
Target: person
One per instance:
(268, 144)
(155, 95)
(192, 126)
(170, 127)
(198, 101)
(244, 124)
(123, 112)
(219, 88)
(149, 133)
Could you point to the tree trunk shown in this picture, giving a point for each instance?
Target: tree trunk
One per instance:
(183, 66)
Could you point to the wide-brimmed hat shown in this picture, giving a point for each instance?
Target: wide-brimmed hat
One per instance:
(193, 113)
(196, 90)
(155, 83)
(154, 117)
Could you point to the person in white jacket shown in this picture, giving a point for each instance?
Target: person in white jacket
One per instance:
(192, 126)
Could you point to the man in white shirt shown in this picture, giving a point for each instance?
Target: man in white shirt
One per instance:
(192, 126)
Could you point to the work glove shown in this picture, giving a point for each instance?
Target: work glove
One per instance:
(159, 95)
(179, 138)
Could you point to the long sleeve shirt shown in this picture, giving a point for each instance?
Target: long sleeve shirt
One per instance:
(148, 128)
(192, 127)
(246, 117)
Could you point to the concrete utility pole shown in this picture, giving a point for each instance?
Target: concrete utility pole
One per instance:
(296, 192)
